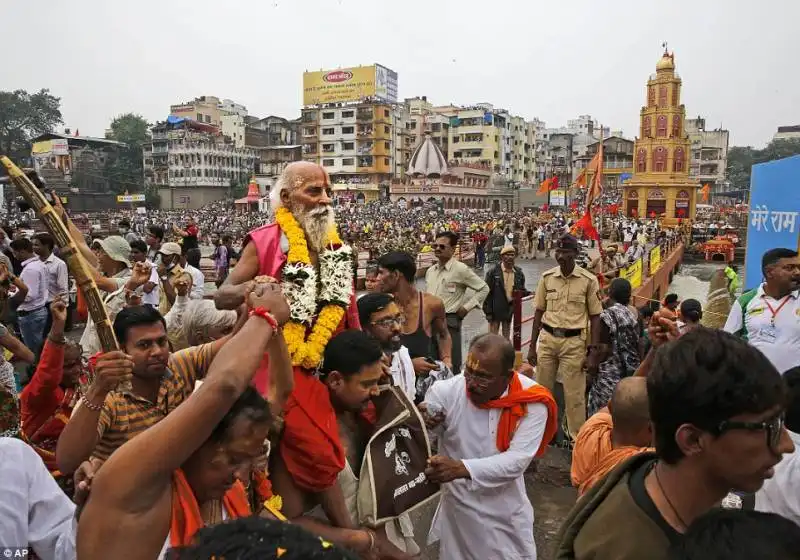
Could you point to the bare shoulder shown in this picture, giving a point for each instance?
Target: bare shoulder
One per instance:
(246, 268)
(432, 302)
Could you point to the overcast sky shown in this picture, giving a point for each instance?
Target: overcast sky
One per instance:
(546, 59)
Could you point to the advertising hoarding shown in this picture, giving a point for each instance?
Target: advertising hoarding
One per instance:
(345, 85)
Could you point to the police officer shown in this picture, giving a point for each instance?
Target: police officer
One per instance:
(567, 300)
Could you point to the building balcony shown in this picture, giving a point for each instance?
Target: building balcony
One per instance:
(364, 116)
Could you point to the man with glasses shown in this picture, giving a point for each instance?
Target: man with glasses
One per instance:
(382, 319)
(717, 410)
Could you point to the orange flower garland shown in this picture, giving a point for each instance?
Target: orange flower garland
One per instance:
(298, 273)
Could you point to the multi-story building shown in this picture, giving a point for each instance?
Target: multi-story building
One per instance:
(276, 140)
(191, 163)
(787, 132)
(617, 163)
(354, 143)
(204, 109)
(709, 154)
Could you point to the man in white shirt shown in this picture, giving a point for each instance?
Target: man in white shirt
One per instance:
(151, 293)
(485, 511)
(781, 493)
(768, 317)
(31, 309)
(190, 262)
(381, 318)
(57, 275)
(634, 252)
(35, 512)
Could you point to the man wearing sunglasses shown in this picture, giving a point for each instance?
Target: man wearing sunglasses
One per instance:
(717, 410)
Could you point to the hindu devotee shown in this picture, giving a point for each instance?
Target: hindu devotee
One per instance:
(352, 368)
(299, 248)
(491, 422)
(613, 434)
(140, 509)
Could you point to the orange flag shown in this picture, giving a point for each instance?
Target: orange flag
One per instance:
(706, 190)
(544, 187)
(580, 182)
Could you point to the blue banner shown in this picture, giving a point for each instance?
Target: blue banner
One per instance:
(774, 208)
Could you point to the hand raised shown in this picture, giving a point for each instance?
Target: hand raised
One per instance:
(271, 298)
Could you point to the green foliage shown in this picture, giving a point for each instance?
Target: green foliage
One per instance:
(152, 199)
(126, 172)
(239, 187)
(742, 158)
(24, 116)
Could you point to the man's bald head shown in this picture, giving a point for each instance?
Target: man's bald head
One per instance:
(297, 174)
(630, 412)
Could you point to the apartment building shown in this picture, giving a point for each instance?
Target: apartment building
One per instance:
(709, 154)
(191, 163)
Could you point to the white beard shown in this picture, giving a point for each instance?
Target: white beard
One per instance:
(316, 224)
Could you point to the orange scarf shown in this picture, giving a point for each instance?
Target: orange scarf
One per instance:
(186, 518)
(514, 409)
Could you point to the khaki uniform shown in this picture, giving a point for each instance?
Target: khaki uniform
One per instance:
(567, 304)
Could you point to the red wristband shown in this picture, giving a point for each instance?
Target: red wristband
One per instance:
(266, 315)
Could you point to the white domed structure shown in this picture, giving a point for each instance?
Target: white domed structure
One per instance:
(427, 160)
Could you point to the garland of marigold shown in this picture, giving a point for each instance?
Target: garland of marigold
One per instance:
(307, 352)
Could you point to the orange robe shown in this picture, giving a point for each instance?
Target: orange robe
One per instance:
(186, 517)
(594, 455)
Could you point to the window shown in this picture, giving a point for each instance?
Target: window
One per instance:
(651, 96)
(386, 161)
(327, 163)
(647, 131)
(674, 95)
(387, 145)
(348, 161)
(679, 161)
(386, 129)
(661, 126)
(660, 159)
(386, 112)
(199, 117)
(676, 126)
(662, 96)
(327, 147)
(308, 131)
(328, 131)
(348, 114)
(348, 146)
(327, 116)
(348, 130)
(641, 161)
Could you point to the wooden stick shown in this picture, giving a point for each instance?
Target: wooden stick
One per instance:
(80, 269)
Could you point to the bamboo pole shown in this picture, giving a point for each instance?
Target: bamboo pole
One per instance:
(69, 252)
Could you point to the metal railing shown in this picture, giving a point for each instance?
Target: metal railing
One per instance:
(518, 300)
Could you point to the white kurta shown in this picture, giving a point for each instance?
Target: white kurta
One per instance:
(34, 511)
(489, 516)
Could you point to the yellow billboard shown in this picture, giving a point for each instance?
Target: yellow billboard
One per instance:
(655, 259)
(349, 84)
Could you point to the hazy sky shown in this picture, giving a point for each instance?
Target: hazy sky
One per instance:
(546, 59)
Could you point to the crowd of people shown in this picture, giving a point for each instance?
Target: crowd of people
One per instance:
(283, 415)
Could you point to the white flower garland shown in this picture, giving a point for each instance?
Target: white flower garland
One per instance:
(299, 283)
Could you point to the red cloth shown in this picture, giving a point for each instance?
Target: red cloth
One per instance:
(585, 224)
(46, 407)
(310, 445)
(514, 409)
(186, 518)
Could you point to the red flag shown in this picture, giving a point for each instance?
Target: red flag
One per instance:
(554, 183)
(77, 132)
(585, 224)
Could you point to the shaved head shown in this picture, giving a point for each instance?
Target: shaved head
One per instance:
(630, 412)
(294, 175)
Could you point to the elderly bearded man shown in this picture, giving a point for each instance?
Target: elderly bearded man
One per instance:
(303, 251)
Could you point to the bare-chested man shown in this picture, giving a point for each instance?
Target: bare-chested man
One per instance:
(424, 313)
(180, 475)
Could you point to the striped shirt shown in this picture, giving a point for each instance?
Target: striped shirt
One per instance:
(126, 415)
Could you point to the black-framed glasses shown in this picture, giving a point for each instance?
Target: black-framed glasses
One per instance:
(388, 322)
(772, 427)
(440, 246)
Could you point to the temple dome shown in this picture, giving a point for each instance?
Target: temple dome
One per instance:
(427, 160)
(667, 62)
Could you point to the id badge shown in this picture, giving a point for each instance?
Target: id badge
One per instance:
(769, 334)
(451, 287)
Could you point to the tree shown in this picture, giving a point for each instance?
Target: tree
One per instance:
(24, 116)
(126, 171)
(742, 158)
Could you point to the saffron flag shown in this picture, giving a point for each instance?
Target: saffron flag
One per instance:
(706, 190)
(544, 187)
(597, 181)
(580, 182)
(585, 224)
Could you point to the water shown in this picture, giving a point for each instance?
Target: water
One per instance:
(693, 280)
